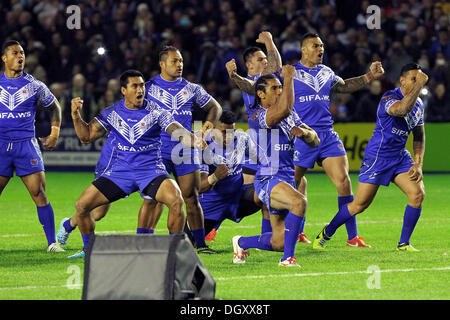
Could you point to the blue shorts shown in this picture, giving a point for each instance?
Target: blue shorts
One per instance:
(383, 171)
(182, 165)
(248, 167)
(23, 157)
(264, 186)
(129, 179)
(219, 209)
(330, 146)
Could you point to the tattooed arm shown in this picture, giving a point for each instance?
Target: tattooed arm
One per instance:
(415, 172)
(403, 107)
(273, 56)
(244, 84)
(357, 83)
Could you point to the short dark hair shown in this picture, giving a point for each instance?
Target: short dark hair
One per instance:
(260, 85)
(307, 36)
(164, 51)
(9, 43)
(129, 74)
(248, 53)
(408, 67)
(228, 117)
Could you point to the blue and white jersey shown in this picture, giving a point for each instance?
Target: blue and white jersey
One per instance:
(391, 133)
(19, 98)
(135, 135)
(275, 144)
(177, 97)
(233, 157)
(312, 88)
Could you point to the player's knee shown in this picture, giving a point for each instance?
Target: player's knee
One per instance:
(81, 207)
(277, 243)
(417, 198)
(357, 208)
(298, 205)
(176, 204)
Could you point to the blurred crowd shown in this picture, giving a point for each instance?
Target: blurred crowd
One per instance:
(211, 32)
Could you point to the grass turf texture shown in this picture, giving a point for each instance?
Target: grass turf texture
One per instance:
(28, 272)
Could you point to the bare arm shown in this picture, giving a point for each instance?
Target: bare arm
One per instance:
(415, 173)
(214, 111)
(55, 114)
(403, 107)
(186, 137)
(283, 109)
(357, 83)
(244, 84)
(308, 135)
(207, 182)
(273, 56)
(86, 132)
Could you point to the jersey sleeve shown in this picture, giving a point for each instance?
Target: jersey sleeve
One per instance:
(387, 101)
(44, 95)
(201, 96)
(204, 168)
(102, 119)
(334, 78)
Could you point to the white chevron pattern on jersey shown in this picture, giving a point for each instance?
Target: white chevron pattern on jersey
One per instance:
(172, 102)
(134, 133)
(314, 82)
(12, 101)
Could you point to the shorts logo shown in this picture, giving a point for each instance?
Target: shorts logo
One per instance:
(34, 162)
(372, 175)
(341, 146)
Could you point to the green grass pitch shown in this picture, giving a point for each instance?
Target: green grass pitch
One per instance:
(28, 272)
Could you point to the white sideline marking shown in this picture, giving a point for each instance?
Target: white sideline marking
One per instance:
(288, 275)
(235, 226)
(259, 277)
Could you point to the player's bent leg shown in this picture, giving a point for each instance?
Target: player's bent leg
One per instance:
(190, 185)
(3, 182)
(35, 183)
(301, 183)
(149, 215)
(299, 175)
(336, 169)
(415, 191)
(100, 212)
(284, 196)
(277, 240)
(170, 194)
(91, 198)
(364, 195)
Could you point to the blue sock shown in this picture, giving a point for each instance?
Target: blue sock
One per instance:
(261, 242)
(199, 237)
(292, 225)
(410, 219)
(67, 226)
(352, 229)
(47, 219)
(266, 226)
(86, 238)
(339, 219)
(151, 231)
(302, 226)
(142, 230)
